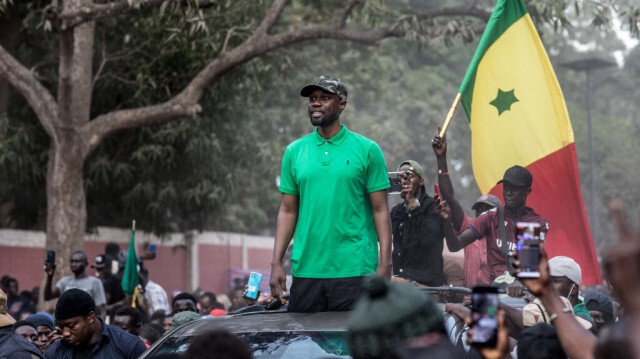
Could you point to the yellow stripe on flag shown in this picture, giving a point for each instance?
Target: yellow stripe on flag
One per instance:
(500, 140)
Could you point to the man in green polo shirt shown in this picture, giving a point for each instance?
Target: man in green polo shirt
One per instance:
(334, 202)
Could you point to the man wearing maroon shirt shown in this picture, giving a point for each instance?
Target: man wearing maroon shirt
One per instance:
(516, 182)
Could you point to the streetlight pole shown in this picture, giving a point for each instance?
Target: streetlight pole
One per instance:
(587, 65)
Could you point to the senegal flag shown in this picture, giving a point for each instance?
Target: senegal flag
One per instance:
(518, 116)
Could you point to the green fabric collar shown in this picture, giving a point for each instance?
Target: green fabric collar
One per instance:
(337, 139)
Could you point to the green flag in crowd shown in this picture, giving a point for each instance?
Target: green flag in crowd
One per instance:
(130, 278)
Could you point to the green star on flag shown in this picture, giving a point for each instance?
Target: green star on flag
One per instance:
(504, 100)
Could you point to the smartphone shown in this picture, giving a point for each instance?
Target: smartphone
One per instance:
(51, 258)
(152, 247)
(484, 313)
(528, 248)
(253, 285)
(396, 185)
(436, 189)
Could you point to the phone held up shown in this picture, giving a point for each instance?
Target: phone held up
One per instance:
(395, 179)
(528, 248)
(51, 259)
(484, 313)
(253, 285)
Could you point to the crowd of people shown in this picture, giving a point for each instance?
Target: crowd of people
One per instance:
(353, 253)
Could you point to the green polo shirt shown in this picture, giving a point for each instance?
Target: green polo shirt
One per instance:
(335, 235)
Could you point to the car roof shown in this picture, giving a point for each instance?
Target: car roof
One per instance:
(267, 321)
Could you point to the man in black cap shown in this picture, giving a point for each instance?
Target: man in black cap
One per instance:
(112, 283)
(85, 335)
(417, 230)
(43, 322)
(334, 197)
(516, 182)
(13, 345)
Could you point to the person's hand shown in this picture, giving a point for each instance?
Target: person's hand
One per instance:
(457, 309)
(49, 269)
(623, 260)
(537, 286)
(620, 262)
(442, 207)
(406, 192)
(439, 144)
(515, 289)
(277, 283)
(384, 270)
(249, 300)
(54, 336)
(501, 350)
(396, 279)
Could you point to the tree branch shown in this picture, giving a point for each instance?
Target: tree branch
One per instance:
(347, 11)
(67, 20)
(471, 10)
(38, 97)
(186, 102)
(271, 17)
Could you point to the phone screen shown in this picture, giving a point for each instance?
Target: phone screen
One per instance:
(396, 185)
(51, 258)
(253, 285)
(485, 316)
(528, 247)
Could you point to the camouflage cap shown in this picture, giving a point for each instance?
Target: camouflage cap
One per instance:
(327, 83)
(413, 166)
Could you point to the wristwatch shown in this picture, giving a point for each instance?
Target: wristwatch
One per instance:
(411, 208)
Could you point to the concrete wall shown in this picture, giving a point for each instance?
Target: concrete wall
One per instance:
(217, 257)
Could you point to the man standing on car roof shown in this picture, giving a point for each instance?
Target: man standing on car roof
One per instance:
(334, 198)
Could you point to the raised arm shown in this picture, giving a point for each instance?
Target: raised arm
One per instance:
(50, 291)
(382, 222)
(285, 227)
(439, 145)
(454, 242)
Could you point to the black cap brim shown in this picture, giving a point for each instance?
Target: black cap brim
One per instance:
(518, 184)
(307, 90)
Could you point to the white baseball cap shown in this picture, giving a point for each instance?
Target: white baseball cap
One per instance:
(561, 266)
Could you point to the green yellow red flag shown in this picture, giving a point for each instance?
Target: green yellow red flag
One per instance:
(518, 116)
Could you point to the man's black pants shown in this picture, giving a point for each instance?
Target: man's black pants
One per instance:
(323, 295)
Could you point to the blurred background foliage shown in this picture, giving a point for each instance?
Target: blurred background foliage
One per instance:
(218, 171)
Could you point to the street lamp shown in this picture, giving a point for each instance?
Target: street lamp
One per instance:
(587, 65)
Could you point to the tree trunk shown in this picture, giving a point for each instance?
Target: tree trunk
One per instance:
(9, 31)
(66, 202)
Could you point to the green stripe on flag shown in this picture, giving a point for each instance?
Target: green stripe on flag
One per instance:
(130, 278)
(505, 13)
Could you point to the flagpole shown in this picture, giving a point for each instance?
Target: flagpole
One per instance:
(452, 111)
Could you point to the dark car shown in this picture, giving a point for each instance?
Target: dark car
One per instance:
(280, 334)
(270, 334)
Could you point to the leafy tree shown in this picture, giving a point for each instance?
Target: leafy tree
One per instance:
(113, 75)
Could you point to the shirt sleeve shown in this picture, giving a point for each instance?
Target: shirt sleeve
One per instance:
(61, 284)
(481, 225)
(288, 183)
(98, 292)
(377, 176)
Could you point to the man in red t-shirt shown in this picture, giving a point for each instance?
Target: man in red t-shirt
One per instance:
(476, 268)
(516, 182)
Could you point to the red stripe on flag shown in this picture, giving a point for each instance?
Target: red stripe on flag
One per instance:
(556, 195)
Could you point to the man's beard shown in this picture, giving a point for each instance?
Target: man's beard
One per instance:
(325, 121)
